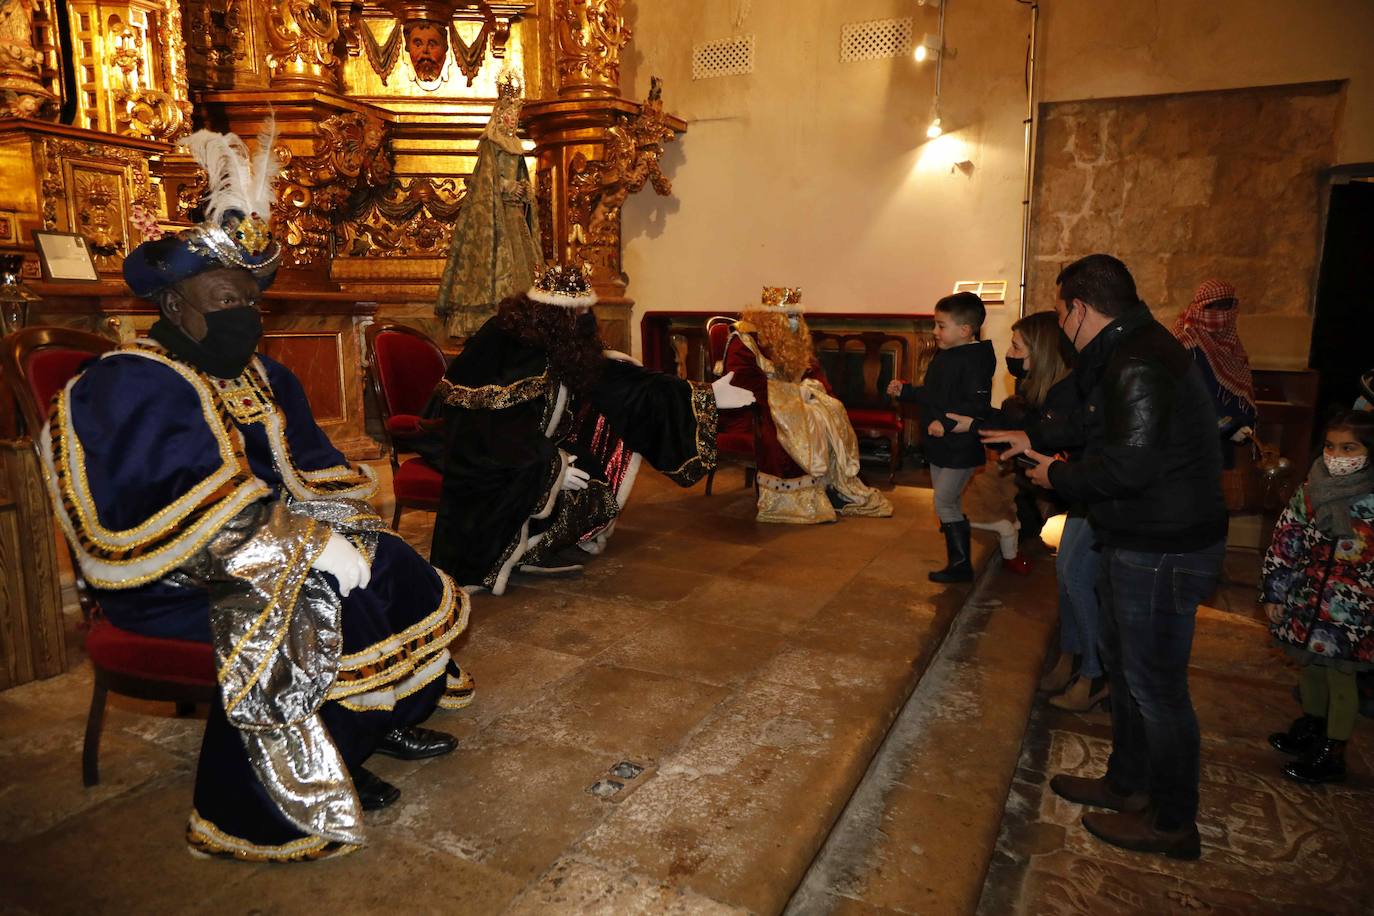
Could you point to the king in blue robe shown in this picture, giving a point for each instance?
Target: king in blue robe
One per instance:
(203, 502)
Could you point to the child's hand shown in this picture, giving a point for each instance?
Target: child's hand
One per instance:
(961, 422)
(894, 387)
(1016, 439)
(1273, 611)
(936, 429)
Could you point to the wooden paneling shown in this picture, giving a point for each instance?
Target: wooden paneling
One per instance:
(317, 360)
(32, 633)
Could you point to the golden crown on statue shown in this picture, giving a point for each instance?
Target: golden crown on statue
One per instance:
(508, 85)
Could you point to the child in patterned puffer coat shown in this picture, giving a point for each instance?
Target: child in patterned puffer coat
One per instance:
(1318, 590)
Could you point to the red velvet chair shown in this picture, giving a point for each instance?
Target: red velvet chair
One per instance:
(404, 366)
(37, 363)
(871, 412)
(734, 444)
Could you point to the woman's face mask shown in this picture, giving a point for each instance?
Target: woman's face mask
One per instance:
(1016, 365)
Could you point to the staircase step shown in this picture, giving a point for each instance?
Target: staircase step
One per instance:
(920, 830)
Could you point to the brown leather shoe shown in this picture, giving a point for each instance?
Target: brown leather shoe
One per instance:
(1136, 830)
(1095, 792)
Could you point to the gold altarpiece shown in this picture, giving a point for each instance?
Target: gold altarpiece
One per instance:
(379, 104)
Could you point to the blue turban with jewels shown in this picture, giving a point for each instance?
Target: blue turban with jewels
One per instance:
(235, 231)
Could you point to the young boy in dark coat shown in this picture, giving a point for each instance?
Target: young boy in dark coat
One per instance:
(959, 381)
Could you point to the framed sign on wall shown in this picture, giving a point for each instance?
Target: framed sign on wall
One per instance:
(65, 257)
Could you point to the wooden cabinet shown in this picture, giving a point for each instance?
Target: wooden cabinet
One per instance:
(32, 630)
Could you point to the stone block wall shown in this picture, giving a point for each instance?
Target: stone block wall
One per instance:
(1191, 186)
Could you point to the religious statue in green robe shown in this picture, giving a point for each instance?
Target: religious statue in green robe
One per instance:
(495, 246)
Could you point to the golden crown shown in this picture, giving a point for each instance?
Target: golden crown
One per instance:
(508, 85)
(563, 284)
(778, 297)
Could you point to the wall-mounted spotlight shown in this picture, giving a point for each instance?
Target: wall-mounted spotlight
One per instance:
(934, 130)
(929, 48)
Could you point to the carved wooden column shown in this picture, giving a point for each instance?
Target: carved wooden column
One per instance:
(22, 93)
(594, 149)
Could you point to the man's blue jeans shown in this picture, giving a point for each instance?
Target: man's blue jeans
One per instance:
(1149, 605)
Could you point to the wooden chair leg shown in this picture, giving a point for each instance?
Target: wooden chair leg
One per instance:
(751, 478)
(710, 479)
(396, 517)
(90, 752)
(186, 710)
(896, 458)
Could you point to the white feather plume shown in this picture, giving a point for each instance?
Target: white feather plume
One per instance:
(236, 181)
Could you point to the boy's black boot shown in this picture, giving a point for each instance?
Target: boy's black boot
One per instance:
(1305, 732)
(1324, 763)
(958, 541)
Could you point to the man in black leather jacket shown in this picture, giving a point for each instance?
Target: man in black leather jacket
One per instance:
(1151, 477)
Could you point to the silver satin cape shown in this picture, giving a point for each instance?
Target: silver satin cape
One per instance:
(276, 627)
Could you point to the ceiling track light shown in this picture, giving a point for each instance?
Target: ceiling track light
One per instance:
(935, 128)
(933, 4)
(929, 48)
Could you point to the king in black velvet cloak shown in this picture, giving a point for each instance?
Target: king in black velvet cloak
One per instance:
(519, 411)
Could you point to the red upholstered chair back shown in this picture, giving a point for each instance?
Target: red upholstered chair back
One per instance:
(717, 336)
(37, 362)
(407, 364)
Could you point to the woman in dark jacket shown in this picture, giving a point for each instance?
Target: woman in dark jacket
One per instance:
(1048, 419)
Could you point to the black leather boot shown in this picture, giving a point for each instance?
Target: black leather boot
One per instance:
(1305, 732)
(1324, 763)
(958, 541)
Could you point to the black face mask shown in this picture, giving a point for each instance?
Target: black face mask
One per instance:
(231, 337)
(1016, 365)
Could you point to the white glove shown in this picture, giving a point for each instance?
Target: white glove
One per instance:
(343, 561)
(728, 396)
(574, 478)
(1242, 435)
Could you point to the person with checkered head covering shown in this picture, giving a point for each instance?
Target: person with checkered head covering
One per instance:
(1207, 328)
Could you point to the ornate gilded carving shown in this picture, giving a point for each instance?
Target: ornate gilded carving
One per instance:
(427, 30)
(543, 195)
(302, 35)
(409, 217)
(140, 108)
(129, 60)
(106, 183)
(597, 188)
(588, 38)
(314, 191)
(219, 47)
(22, 93)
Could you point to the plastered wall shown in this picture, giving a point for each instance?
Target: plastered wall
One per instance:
(817, 173)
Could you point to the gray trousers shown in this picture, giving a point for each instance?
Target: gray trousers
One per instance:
(949, 486)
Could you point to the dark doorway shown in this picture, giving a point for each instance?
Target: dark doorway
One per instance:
(1343, 331)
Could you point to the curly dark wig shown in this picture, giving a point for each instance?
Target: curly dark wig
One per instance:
(571, 339)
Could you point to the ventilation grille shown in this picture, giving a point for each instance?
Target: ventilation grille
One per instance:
(729, 57)
(875, 40)
(988, 290)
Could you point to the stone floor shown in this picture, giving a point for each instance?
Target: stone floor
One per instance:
(750, 670)
(1268, 844)
(755, 674)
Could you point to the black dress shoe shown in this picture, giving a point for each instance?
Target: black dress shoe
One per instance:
(1305, 733)
(416, 743)
(373, 791)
